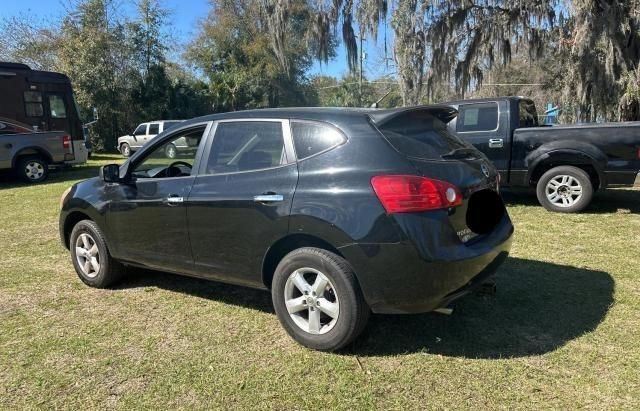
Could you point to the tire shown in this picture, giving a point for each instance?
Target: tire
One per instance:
(341, 296)
(125, 149)
(87, 235)
(171, 151)
(33, 169)
(565, 189)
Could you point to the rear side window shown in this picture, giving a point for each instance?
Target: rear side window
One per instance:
(420, 135)
(477, 117)
(33, 104)
(169, 124)
(57, 107)
(154, 128)
(527, 114)
(313, 138)
(246, 146)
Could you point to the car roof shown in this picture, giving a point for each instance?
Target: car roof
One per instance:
(329, 114)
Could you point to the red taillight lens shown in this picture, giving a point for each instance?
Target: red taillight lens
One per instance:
(66, 142)
(638, 153)
(405, 194)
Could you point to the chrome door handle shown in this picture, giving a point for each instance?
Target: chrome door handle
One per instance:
(268, 198)
(174, 200)
(496, 143)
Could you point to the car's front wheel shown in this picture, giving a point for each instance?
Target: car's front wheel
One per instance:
(565, 189)
(91, 259)
(125, 149)
(318, 300)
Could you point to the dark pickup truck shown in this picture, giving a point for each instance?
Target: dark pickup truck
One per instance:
(565, 164)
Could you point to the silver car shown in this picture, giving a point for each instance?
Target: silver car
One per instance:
(130, 143)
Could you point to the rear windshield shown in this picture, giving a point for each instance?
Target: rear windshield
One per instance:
(420, 135)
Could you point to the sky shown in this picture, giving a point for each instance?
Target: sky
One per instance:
(184, 19)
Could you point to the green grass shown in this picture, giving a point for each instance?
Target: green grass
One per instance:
(563, 330)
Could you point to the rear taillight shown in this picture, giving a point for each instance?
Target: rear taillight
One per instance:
(66, 142)
(406, 194)
(638, 153)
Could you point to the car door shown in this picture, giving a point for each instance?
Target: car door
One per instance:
(240, 202)
(147, 215)
(480, 125)
(139, 135)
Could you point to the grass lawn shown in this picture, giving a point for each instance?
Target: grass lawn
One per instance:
(563, 330)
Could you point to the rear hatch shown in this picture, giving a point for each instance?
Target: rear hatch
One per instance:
(421, 135)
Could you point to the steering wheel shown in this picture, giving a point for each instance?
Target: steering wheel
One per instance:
(174, 171)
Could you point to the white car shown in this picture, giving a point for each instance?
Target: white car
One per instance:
(144, 133)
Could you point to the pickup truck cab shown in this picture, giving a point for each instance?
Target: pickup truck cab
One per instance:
(565, 164)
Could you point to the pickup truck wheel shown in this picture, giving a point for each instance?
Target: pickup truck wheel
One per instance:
(33, 169)
(565, 189)
(125, 149)
(317, 299)
(171, 151)
(91, 259)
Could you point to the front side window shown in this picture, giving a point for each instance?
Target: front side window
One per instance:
(174, 158)
(313, 138)
(33, 104)
(154, 128)
(141, 130)
(245, 146)
(57, 106)
(477, 117)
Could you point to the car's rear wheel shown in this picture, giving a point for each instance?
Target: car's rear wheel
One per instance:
(91, 259)
(125, 149)
(33, 169)
(565, 189)
(318, 300)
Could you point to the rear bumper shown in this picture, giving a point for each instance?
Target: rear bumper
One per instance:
(397, 278)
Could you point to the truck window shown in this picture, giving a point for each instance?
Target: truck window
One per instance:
(477, 117)
(527, 114)
(154, 128)
(33, 104)
(141, 130)
(57, 106)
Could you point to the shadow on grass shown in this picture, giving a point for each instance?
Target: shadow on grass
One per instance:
(604, 201)
(539, 307)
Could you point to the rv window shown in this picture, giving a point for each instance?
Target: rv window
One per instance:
(33, 104)
(56, 106)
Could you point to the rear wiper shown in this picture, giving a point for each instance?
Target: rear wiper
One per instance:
(462, 152)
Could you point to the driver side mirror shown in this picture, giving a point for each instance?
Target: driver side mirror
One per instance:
(110, 173)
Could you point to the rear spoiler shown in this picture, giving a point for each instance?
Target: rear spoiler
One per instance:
(443, 113)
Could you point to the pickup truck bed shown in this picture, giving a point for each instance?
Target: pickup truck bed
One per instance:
(565, 164)
(30, 154)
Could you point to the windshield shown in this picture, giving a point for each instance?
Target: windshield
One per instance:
(422, 135)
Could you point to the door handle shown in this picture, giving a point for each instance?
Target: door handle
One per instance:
(173, 200)
(268, 198)
(496, 143)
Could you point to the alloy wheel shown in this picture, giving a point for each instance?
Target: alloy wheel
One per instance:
(311, 300)
(87, 255)
(563, 190)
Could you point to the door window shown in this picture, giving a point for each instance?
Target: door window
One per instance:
(154, 128)
(33, 103)
(141, 130)
(313, 138)
(477, 117)
(57, 106)
(245, 146)
(174, 158)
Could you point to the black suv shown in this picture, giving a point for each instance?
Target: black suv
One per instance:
(338, 212)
